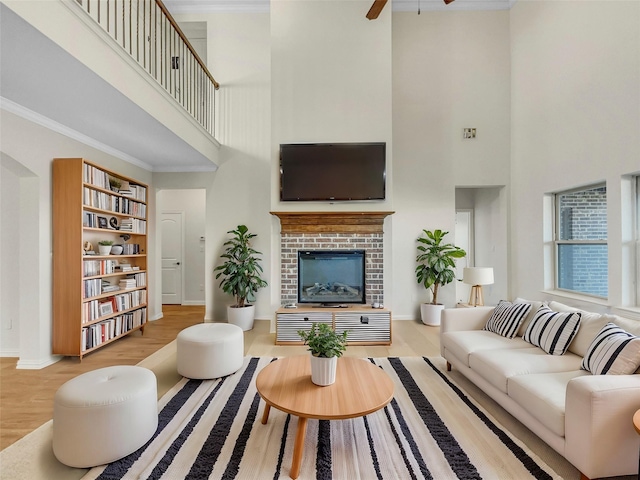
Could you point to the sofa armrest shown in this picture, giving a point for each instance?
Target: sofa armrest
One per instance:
(600, 438)
(460, 319)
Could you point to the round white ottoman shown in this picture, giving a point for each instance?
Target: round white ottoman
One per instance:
(210, 350)
(104, 415)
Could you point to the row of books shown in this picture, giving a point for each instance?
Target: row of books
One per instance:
(90, 220)
(95, 176)
(95, 309)
(133, 225)
(91, 288)
(133, 281)
(97, 286)
(99, 178)
(135, 191)
(105, 201)
(127, 267)
(91, 268)
(96, 334)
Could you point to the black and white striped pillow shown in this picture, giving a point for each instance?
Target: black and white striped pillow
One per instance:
(507, 318)
(552, 331)
(612, 352)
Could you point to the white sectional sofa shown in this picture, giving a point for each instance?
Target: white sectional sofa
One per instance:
(586, 418)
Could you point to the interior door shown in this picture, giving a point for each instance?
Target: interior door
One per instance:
(172, 239)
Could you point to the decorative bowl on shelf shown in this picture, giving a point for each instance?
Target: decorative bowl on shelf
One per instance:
(116, 249)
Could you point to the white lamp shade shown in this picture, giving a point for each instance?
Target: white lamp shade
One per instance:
(477, 275)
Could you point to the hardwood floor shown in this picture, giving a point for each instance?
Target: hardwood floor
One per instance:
(26, 396)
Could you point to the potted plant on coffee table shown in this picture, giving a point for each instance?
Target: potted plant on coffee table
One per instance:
(241, 274)
(325, 346)
(436, 267)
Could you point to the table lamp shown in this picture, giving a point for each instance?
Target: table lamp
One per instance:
(476, 277)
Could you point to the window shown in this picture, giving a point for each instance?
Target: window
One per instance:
(637, 240)
(581, 241)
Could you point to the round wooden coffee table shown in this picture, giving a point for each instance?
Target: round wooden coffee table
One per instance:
(360, 388)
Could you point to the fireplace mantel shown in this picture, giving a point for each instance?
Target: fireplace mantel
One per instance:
(331, 222)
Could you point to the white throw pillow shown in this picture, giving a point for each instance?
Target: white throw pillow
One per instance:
(613, 352)
(552, 331)
(507, 318)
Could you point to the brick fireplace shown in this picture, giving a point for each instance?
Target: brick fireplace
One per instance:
(332, 231)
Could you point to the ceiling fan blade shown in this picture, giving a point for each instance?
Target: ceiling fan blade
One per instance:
(447, 2)
(376, 8)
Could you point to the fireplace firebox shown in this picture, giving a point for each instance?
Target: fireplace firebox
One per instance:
(331, 277)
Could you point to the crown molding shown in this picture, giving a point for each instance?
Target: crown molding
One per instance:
(50, 124)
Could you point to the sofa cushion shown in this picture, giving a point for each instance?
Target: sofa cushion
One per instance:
(552, 331)
(462, 343)
(507, 318)
(613, 351)
(543, 396)
(498, 366)
(590, 324)
(535, 305)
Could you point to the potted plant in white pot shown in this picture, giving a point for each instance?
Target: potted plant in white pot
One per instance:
(241, 274)
(325, 346)
(436, 267)
(104, 247)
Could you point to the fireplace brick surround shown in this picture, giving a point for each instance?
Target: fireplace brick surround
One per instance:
(332, 231)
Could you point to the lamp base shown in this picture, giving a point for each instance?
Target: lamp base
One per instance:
(476, 299)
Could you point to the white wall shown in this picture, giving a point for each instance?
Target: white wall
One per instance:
(450, 71)
(9, 259)
(320, 71)
(239, 57)
(575, 121)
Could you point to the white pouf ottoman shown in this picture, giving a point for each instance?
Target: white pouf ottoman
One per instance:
(104, 415)
(210, 350)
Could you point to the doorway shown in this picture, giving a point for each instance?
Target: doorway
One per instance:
(181, 231)
(465, 240)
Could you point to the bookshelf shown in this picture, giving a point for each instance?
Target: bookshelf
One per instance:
(97, 298)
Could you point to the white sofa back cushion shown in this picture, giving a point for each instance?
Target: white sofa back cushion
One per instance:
(591, 324)
(535, 305)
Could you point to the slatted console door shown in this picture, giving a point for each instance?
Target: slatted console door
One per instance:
(366, 325)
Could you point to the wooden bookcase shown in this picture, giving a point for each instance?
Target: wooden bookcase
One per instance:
(86, 315)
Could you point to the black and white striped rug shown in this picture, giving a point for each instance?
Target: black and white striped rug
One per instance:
(212, 430)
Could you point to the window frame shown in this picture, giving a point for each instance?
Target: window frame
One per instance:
(557, 242)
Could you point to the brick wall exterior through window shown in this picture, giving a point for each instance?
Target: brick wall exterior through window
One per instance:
(582, 216)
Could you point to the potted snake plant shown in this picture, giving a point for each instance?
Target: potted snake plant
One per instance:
(241, 274)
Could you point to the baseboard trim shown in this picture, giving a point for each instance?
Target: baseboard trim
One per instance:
(37, 364)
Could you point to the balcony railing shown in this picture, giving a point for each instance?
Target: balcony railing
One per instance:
(148, 32)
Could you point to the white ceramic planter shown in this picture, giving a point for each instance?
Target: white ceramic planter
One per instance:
(242, 317)
(431, 313)
(104, 249)
(323, 370)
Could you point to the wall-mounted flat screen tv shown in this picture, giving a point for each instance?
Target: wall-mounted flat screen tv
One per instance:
(332, 171)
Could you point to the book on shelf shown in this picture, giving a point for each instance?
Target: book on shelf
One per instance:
(107, 287)
(128, 283)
